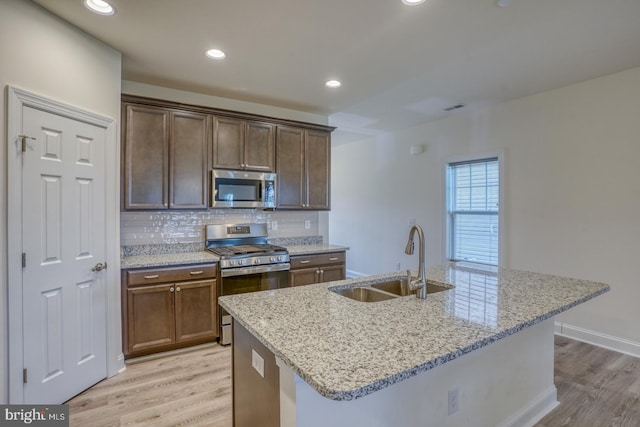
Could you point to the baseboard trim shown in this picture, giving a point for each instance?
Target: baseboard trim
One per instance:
(355, 275)
(528, 416)
(609, 342)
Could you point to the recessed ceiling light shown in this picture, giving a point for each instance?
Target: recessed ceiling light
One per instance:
(100, 7)
(412, 2)
(216, 54)
(333, 83)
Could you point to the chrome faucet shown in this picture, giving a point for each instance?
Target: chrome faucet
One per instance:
(419, 284)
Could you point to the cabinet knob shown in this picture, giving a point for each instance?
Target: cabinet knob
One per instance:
(171, 289)
(177, 288)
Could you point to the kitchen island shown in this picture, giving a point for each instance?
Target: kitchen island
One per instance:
(480, 353)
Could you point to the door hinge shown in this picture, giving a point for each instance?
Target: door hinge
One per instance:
(24, 260)
(24, 375)
(24, 141)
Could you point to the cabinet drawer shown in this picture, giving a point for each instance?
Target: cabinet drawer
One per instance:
(170, 274)
(315, 260)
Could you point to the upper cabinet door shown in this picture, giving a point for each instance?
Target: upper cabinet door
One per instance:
(318, 169)
(243, 144)
(188, 160)
(145, 157)
(290, 168)
(303, 168)
(228, 143)
(259, 149)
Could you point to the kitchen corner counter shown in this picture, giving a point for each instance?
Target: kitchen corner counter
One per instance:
(314, 249)
(345, 349)
(167, 259)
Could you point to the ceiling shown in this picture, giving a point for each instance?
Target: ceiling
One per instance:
(399, 65)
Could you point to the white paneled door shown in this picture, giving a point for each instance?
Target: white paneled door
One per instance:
(63, 239)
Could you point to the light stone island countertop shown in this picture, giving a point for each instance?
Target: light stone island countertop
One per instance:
(347, 349)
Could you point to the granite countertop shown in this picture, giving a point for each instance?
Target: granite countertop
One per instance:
(347, 349)
(314, 249)
(161, 256)
(168, 259)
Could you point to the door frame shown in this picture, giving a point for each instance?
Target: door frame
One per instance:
(17, 100)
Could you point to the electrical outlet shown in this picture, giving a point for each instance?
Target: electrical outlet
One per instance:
(307, 224)
(274, 225)
(411, 222)
(398, 266)
(257, 362)
(453, 402)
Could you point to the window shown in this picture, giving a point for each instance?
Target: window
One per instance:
(473, 195)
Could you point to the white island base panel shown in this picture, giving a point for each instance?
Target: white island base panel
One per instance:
(507, 383)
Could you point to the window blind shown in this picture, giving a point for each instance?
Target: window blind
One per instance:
(473, 209)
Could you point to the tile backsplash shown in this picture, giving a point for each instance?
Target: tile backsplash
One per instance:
(170, 227)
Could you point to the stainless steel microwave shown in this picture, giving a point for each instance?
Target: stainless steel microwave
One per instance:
(242, 189)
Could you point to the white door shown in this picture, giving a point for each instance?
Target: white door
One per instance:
(64, 298)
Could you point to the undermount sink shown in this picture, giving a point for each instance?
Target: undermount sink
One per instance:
(383, 291)
(399, 287)
(363, 294)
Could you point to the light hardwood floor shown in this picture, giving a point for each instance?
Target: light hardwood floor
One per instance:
(596, 388)
(186, 389)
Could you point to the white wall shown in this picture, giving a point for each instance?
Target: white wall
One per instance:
(572, 191)
(159, 92)
(42, 54)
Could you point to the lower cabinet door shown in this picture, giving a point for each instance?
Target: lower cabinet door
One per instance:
(332, 272)
(196, 310)
(150, 314)
(303, 276)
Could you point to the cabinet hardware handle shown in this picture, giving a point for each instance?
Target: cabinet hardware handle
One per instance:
(305, 261)
(178, 289)
(195, 273)
(333, 258)
(171, 289)
(152, 276)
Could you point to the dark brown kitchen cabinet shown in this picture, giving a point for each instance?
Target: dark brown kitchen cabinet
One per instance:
(168, 308)
(243, 144)
(145, 157)
(303, 159)
(317, 268)
(164, 158)
(188, 162)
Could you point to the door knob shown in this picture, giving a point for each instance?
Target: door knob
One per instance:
(99, 267)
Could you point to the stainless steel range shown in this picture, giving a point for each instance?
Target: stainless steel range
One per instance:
(247, 264)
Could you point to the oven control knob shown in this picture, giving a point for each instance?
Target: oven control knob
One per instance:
(232, 262)
(240, 262)
(256, 260)
(279, 257)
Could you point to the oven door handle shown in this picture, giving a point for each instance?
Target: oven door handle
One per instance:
(244, 271)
